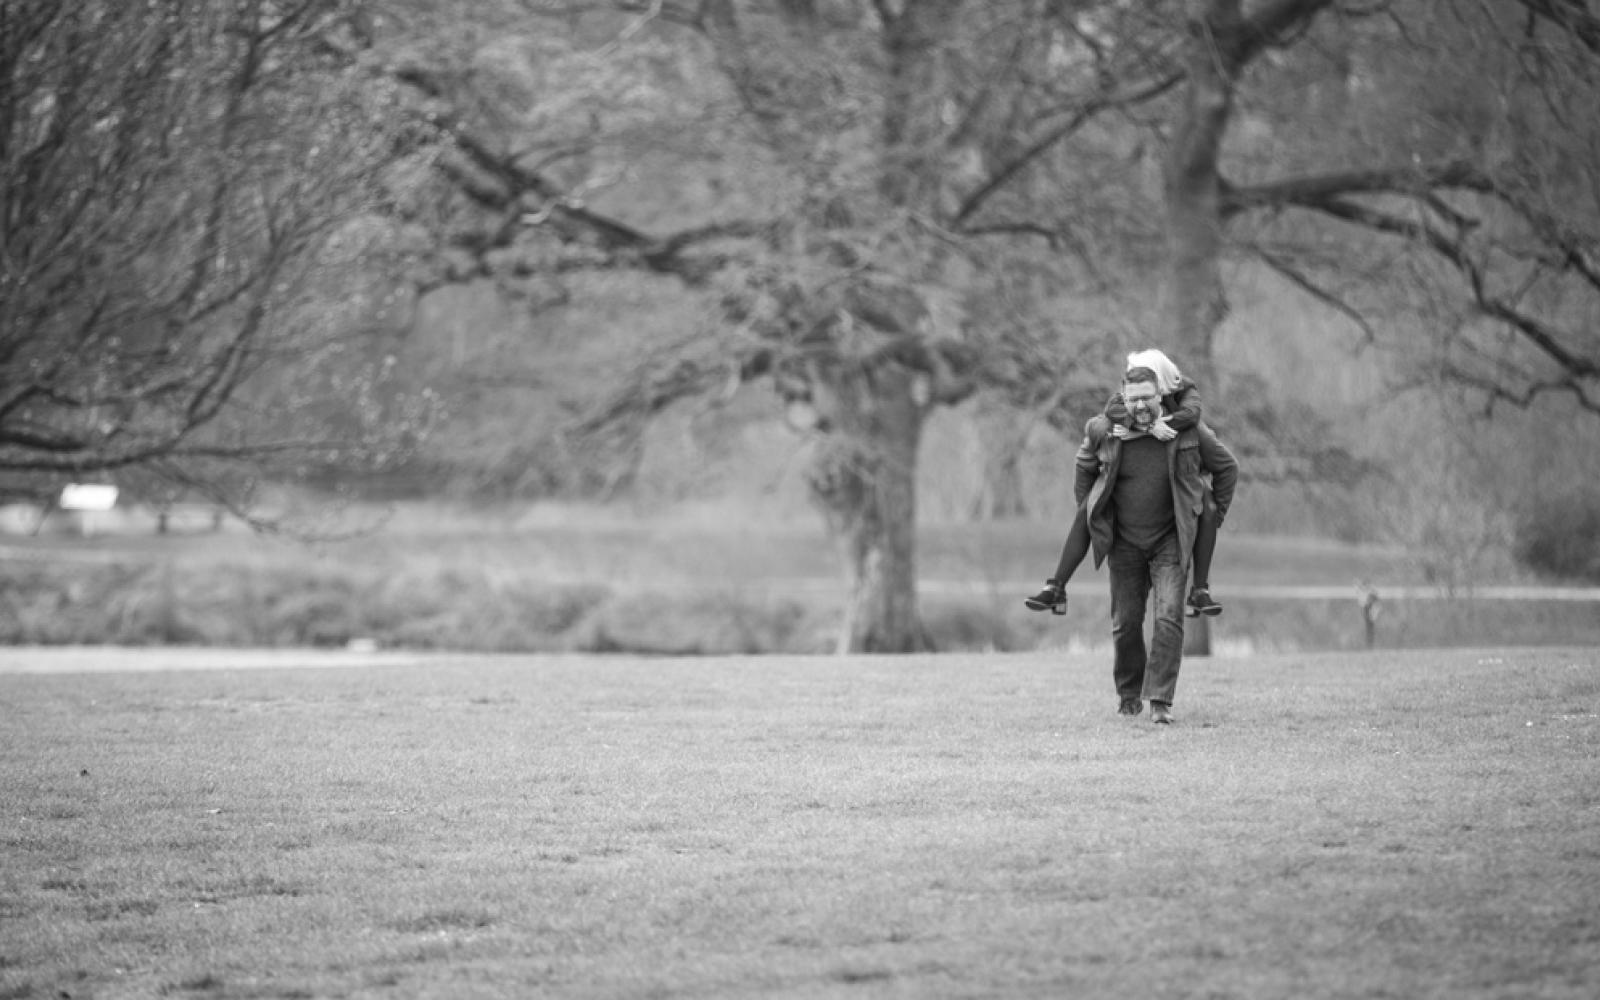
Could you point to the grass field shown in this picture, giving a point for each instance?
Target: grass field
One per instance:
(1406, 825)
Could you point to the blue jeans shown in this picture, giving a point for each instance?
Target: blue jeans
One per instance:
(1135, 573)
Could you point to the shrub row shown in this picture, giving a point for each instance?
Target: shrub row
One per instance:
(451, 609)
(1559, 535)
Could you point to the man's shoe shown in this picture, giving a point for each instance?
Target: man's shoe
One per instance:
(1161, 714)
(1130, 706)
(1051, 599)
(1200, 603)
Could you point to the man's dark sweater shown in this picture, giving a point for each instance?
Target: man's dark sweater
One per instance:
(1142, 494)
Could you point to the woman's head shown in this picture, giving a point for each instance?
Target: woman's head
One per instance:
(1167, 375)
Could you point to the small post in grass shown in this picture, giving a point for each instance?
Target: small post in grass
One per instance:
(1367, 595)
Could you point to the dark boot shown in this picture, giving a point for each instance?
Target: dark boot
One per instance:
(1052, 598)
(1200, 603)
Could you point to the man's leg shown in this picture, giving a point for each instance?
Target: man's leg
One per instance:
(1130, 589)
(1166, 646)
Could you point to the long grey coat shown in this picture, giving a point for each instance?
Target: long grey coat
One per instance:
(1191, 456)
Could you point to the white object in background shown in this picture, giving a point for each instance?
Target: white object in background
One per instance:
(91, 499)
(88, 496)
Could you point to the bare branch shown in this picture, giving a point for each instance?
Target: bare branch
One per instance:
(1452, 248)
(163, 219)
(1008, 171)
(1271, 23)
(1573, 16)
(1300, 279)
(1312, 190)
(497, 180)
(1498, 388)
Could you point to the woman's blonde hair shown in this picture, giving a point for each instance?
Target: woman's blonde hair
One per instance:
(1168, 378)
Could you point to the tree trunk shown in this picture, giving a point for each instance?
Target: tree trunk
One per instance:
(1001, 496)
(865, 483)
(866, 480)
(1195, 301)
(1220, 42)
(911, 173)
(1002, 439)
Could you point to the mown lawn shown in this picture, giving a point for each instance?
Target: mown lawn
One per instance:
(1418, 824)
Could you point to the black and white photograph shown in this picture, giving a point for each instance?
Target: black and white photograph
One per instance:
(779, 499)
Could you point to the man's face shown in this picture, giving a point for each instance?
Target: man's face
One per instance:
(1143, 402)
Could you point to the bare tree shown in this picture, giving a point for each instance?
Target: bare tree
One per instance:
(1479, 183)
(894, 147)
(182, 185)
(896, 158)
